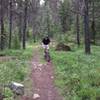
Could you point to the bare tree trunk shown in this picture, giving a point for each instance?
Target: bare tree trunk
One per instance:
(48, 24)
(20, 27)
(10, 24)
(47, 17)
(53, 5)
(2, 26)
(34, 34)
(25, 24)
(35, 8)
(86, 28)
(93, 25)
(78, 30)
(20, 21)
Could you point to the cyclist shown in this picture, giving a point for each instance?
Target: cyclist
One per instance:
(45, 44)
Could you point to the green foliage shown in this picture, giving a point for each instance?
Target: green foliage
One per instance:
(64, 14)
(67, 39)
(8, 93)
(77, 74)
(16, 68)
(16, 42)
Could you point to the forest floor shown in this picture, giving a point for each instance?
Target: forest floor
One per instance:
(42, 78)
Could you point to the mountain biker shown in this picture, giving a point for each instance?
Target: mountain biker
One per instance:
(46, 42)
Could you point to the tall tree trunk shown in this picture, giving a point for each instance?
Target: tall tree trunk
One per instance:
(34, 37)
(20, 27)
(2, 26)
(10, 24)
(47, 17)
(25, 24)
(35, 8)
(86, 28)
(78, 30)
(34, 34)
(20, 21)
(93, 24)
(48, 24)
(64, 24)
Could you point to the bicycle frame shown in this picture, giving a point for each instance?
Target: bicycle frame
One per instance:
(47, 55)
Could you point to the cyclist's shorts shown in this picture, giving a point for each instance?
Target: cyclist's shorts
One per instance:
(45, 46)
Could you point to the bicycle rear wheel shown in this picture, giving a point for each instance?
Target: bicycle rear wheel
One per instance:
(47, 56)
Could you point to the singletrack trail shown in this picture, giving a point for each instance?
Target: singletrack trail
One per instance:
(42, 77)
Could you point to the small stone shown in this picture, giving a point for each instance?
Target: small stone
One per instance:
(35, 67)
(36, 96)
(52, 77)
(37, 89)
(40, 65)
(40, 69)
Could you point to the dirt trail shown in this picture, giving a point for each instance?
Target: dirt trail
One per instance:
(43, 81)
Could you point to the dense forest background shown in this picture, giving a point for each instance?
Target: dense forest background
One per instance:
(70, 20)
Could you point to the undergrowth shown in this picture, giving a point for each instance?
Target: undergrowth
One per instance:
(16, 68)
(77, 74)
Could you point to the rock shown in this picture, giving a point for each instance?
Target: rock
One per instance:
(52, 77)
(35, 66)
(36, 96)
(17, 88)
(63, 47)
(40, 69)
(37, 90)
(40, 65)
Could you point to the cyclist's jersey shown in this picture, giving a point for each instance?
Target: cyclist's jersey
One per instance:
(46, 41)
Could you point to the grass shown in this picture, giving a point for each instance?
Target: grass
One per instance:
(15, 69)
(77, 74)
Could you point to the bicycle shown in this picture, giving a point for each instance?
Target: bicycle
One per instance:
(47, 55)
